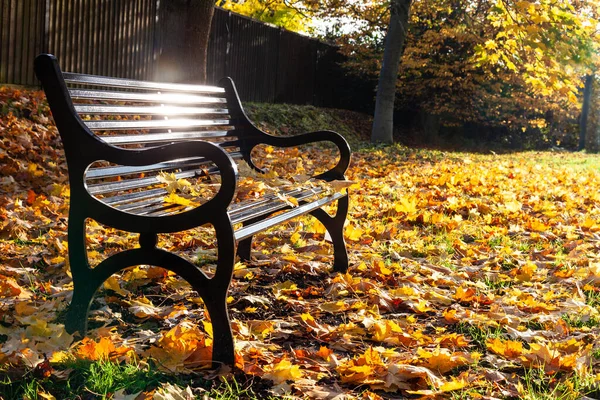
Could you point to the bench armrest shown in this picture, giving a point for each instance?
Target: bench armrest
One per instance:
(254, 136)
(335, 173)
(142, 157)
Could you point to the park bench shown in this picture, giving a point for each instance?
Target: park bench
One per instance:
(121, 136)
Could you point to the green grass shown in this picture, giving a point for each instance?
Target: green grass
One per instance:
(592, 298)
(498, 284)
(101, 379)
(577, 161)
(294, 119)
(479, 334)
(538, 385)
(82, 378)
(574, 321)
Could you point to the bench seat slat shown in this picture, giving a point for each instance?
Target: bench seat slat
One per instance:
(161, 209)
(131, 207)
(164, 137)
(82, 79)
(146, 110)
(130, 184)
(108, 172)
(260, 226)
(112, 171)
(142, 203)
(236, 208)
(127, 198)
(154, 124)
(268, 207)
(165, 98)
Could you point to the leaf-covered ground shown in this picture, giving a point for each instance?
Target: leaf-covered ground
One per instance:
(471, 276)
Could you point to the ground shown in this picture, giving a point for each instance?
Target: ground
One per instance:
(471, 276)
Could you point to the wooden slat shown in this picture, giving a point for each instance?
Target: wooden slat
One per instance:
(161, 210)
(147, 110)
(130, 184)
(109, 172)
(146, 206)
(168, 98)
(137, 84)
(268, 205)
(164, 137)
(134, 197)
(155, 124)
(252, 229)
(138, 183)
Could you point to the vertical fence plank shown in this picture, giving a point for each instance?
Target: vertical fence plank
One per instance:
(11, 39)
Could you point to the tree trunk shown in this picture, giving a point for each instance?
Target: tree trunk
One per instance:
(585, 110)
(592, 131)
(383, 122)
(185, 31)
(198, 23)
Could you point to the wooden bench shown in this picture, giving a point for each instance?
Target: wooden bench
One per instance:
(119, 138)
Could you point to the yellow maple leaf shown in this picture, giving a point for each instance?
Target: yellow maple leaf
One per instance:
(450, 316)
(353, 233)
(91, 350)
(324, 353)
(407, 205)
(174, 198)
(113, 284)
(526, 272)
(284, 371)
(507, 348)
(453, 384)
(537, 226)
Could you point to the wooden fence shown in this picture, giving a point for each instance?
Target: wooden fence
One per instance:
(122, 38)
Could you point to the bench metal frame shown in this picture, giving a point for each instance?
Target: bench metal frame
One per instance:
(82, 148)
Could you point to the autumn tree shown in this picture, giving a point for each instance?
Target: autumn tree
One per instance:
(510, 64)
(383, 121)
(500, 63)
(291, 15)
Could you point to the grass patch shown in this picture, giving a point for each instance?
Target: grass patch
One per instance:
(575, 321)
(286, 119)
(101, 379)
(537, 385)
(592, 298)
(498, 284)
(74, 379)
(478, 334)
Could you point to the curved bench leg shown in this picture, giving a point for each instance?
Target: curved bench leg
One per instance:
(215, 295)
(83, 276)
(78, 310)
(335, 227)
(223, 348)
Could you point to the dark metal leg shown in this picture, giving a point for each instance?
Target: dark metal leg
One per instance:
(244, 248)
(335, 227)
(223, 348)
(78, 310)
(83, 275)
(215, 296)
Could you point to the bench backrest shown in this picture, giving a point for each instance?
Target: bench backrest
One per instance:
(138, 115)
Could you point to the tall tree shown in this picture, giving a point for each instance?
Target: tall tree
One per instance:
(383, 121)
(511, 64)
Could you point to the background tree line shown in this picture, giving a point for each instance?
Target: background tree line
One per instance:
(509, 68)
